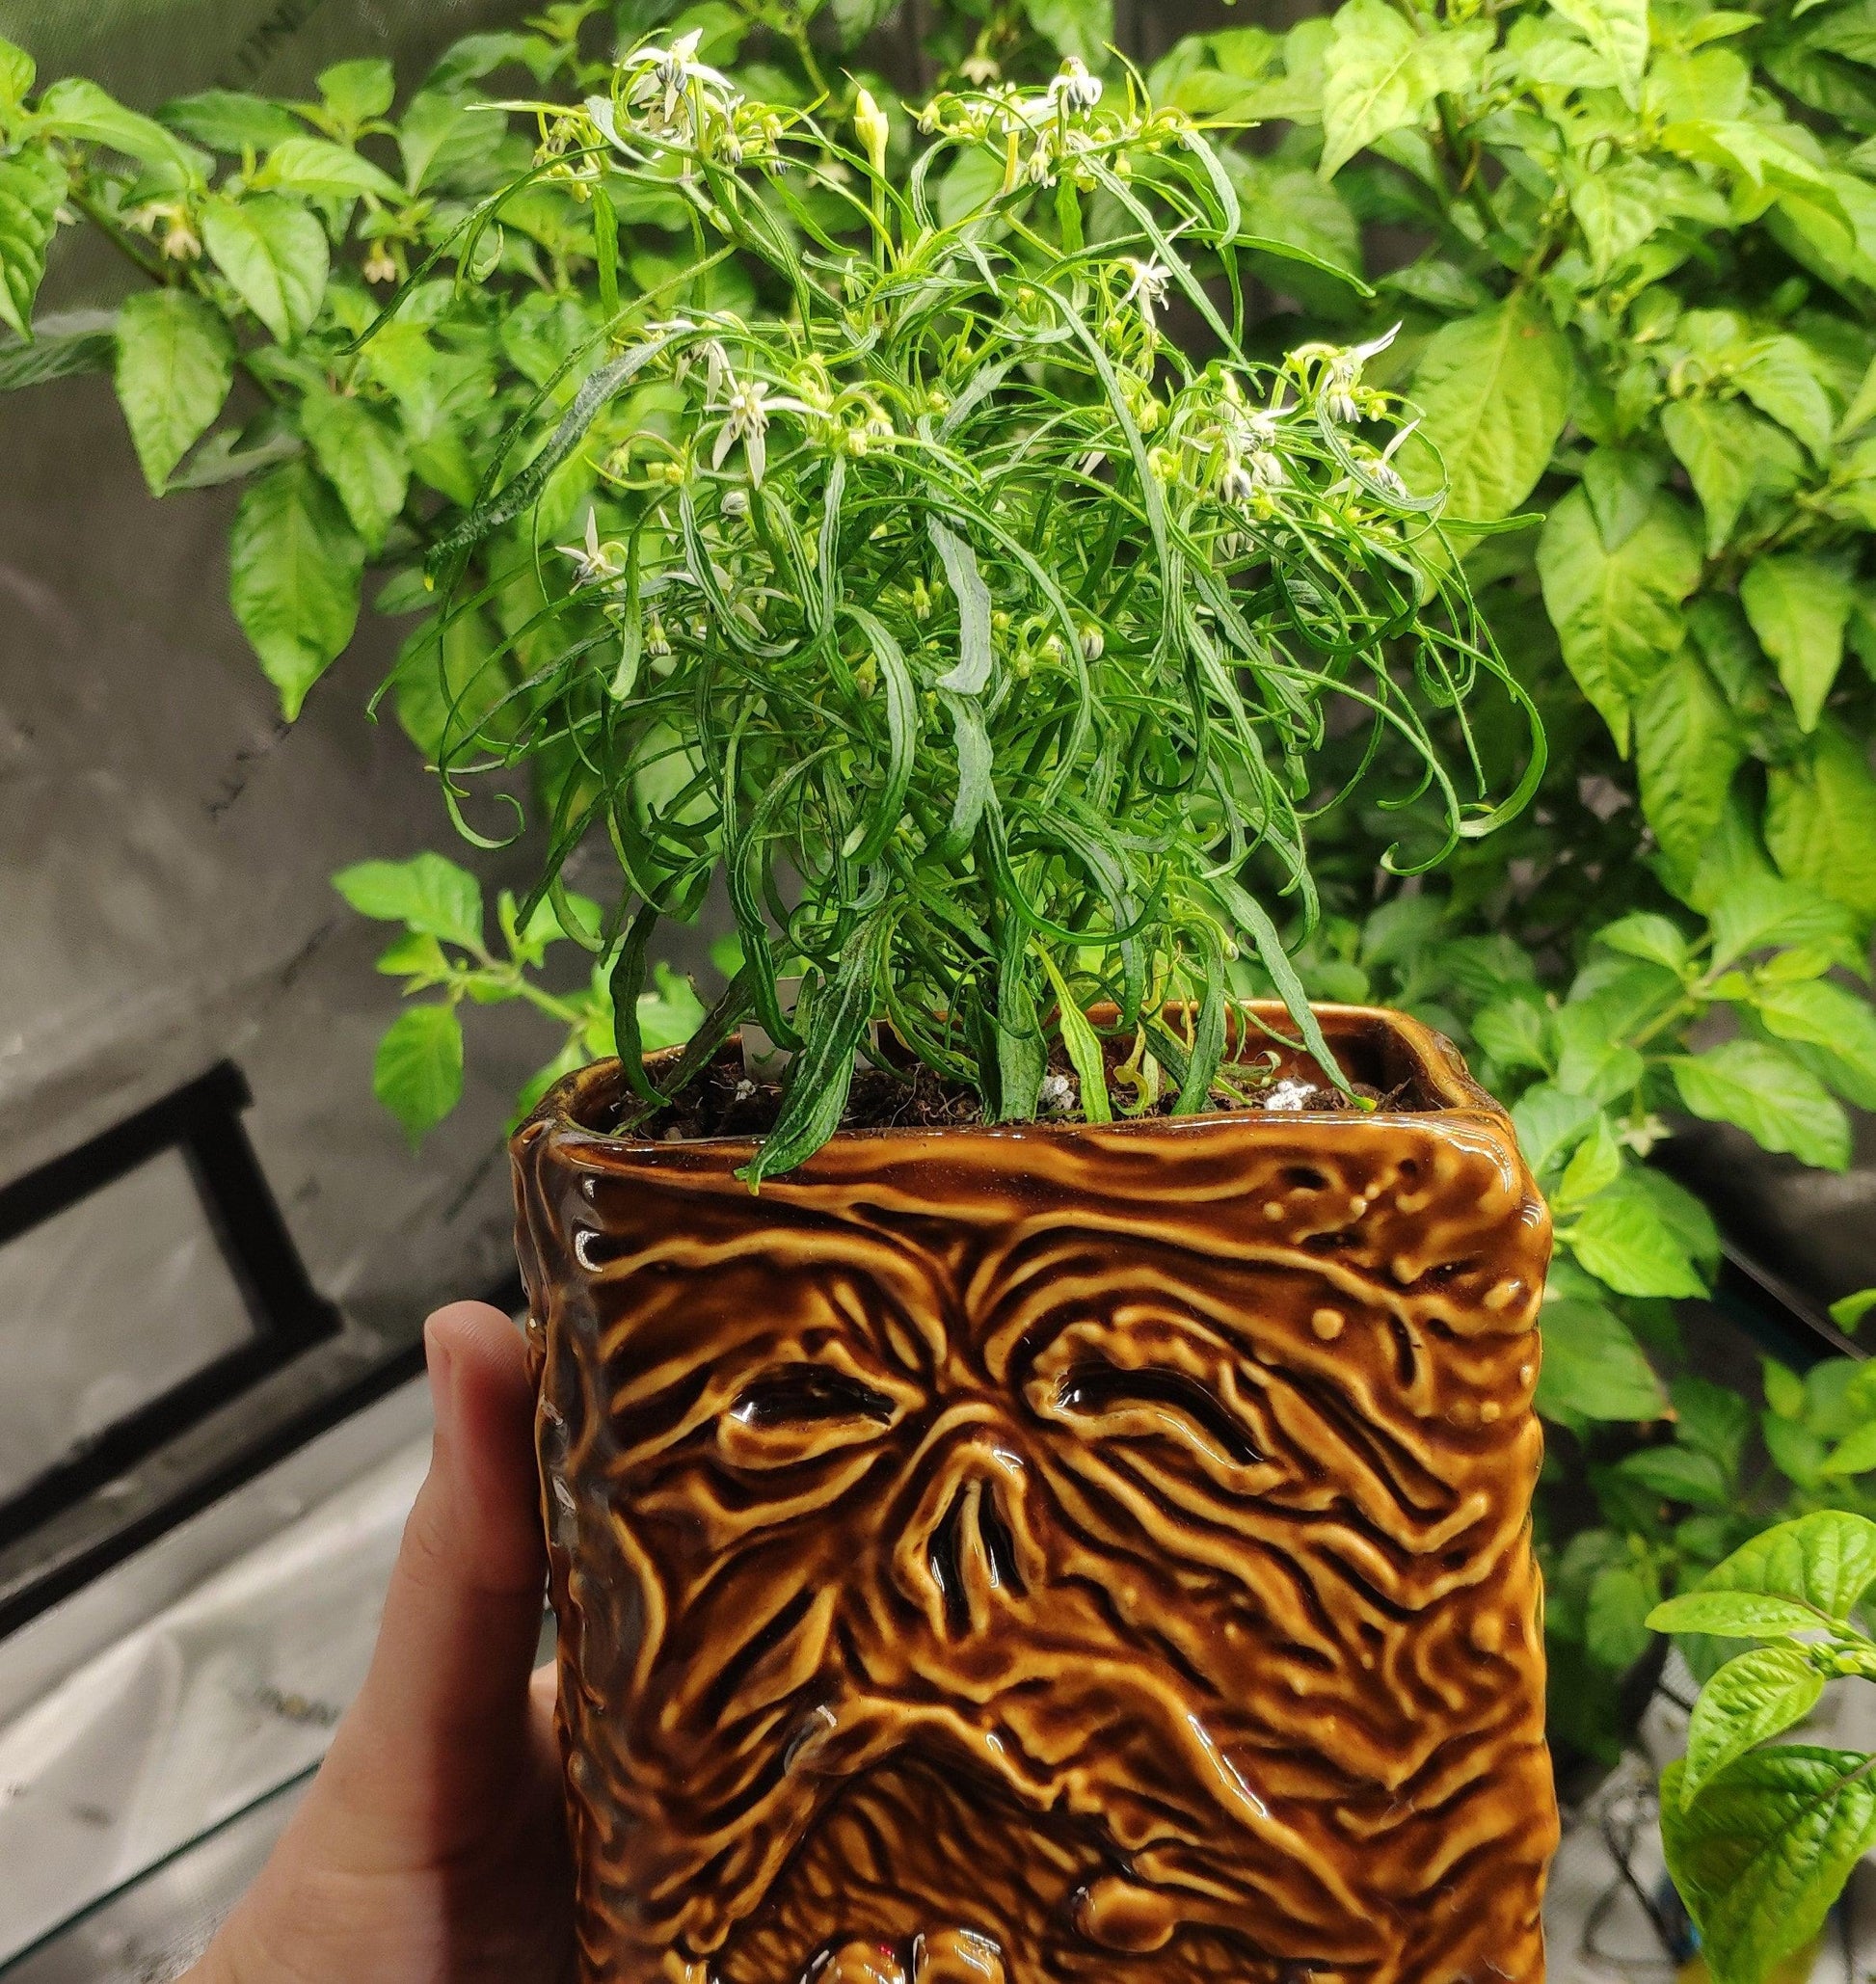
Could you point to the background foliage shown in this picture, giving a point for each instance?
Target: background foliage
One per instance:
(1632, 250)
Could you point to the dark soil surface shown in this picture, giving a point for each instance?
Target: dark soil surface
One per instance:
(728, 1101)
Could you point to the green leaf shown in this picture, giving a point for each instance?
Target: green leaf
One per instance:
(855, 19)
(65, 346)
(1082, 28)
(1799, 605)
(426, 893)
(1644, 934)
(1512, 1031)
(1766, 1848)
(419, 1072)
(1731, 1615)
(356, 91)
(1492, 392)
(1679, 1474)
(1754, 1696)
(318, 167)
(1618, 30)
(670, 1012)
(78, 107)
(18, 70)
(1084, 1045)
(1784, 1389)
(1621, 1239)
(440, 135)
(1854, 1453)
(1824, 1560)
(1849, 1311)
(1778, 1103)
(1381, 75)
(1723, 447)
(33, 187)
(1593, 1368)
(1595, 1164)
(1548, 1123)
(295, 565)
(1820, 820)
(175, 365)
(231, 121)
(275, 253)
(1824, 1014)
(1618, 207)
(1761, 913)
(1780, 380)
(1617, 612)
(413, 956)
(1688, 747)
(362, 456)
(1615, 1620)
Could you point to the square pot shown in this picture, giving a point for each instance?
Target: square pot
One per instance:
(1050, 1552)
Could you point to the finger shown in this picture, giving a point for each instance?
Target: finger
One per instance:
(442, 1726)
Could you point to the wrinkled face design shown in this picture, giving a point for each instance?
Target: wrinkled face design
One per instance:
(1083, 1560)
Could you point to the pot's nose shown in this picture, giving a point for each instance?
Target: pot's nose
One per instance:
(969, 1553)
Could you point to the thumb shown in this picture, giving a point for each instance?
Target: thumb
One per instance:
(419, 1765)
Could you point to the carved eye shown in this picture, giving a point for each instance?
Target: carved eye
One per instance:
(800, 1411)
(1156, 1403)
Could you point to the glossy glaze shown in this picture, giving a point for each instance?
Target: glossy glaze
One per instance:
(1010, 1557)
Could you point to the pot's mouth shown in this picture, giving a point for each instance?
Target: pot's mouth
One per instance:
(1402, 1066)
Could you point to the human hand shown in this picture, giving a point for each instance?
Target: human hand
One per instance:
(431, 1847)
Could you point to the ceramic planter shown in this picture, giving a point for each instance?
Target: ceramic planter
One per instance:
(1050, 1553)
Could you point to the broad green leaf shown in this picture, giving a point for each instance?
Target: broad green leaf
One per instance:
(1618, 207)
(33, 188)
(1618, 30)
(175, 365)
(419, 1072)
(855, 19)
(1765, 1849)
(231, 121)
(1381, 74)
(1762, 913)
(1593, 1368)
(317, 165)
(427, 894)
(1778, 1103)
(1688, 747)
(1684, 1216)
(356, 91)
(64, 345)
(1491, 391)
(1724, 448)
(1621, 1239)
(1593, 1060)
(1820, 820)
(1549, 1123)
(419, 959)
(1784, 1389)
(1616, 1620)
(78, 107)
(1082, 28)
(1824, 1560)
(1799, 604)
(1618, 613)
(1644, 934)
(440, 135)
(275, 253)
(1824, 1014)
(1753, 1698)
(1854, 1453)
(1718, 625)
(1731, 1615)
(1780, 380)
(1512, 1031)
(669, 1013)
(1679, 1474)
(1594, 1166)
(295, 564)
(17, 72)
(362, 456)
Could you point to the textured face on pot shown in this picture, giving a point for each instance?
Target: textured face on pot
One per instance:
(1080, 1554)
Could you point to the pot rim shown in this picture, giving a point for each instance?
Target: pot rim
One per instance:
(1423, 1054)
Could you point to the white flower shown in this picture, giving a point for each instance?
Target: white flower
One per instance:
(1074, 87)
(746, 420)
(1152, 280)
(593, 562)
(658, 78)
(1345, 375)
(980, 68)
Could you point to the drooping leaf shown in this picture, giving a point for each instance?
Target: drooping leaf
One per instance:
(1618, 613)
(1765, 1849)
(33, 187)
(1725, 449)
(1820, 820)
(1491, 391)
(76, 107)
(1616, 1617)
(231, 121)
(317, 165)
(1593, 1368)
(1799, 605)
(275, 253)
(295, 566)
(1753, 1698)
(362, 456)
(1759, 912)
(1688, 747)
(174, 368)
(418, 1073)
(427, 894)
(1778, 1103)
(1621, 1239)
(1823, 1014)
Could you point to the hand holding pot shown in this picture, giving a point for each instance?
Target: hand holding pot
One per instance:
(430, 1849)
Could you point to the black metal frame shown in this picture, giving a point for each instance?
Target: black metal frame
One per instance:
(202, 1122)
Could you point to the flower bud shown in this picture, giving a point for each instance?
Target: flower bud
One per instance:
(874, 129)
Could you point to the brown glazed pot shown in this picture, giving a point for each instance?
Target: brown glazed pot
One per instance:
(1054, 1552)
